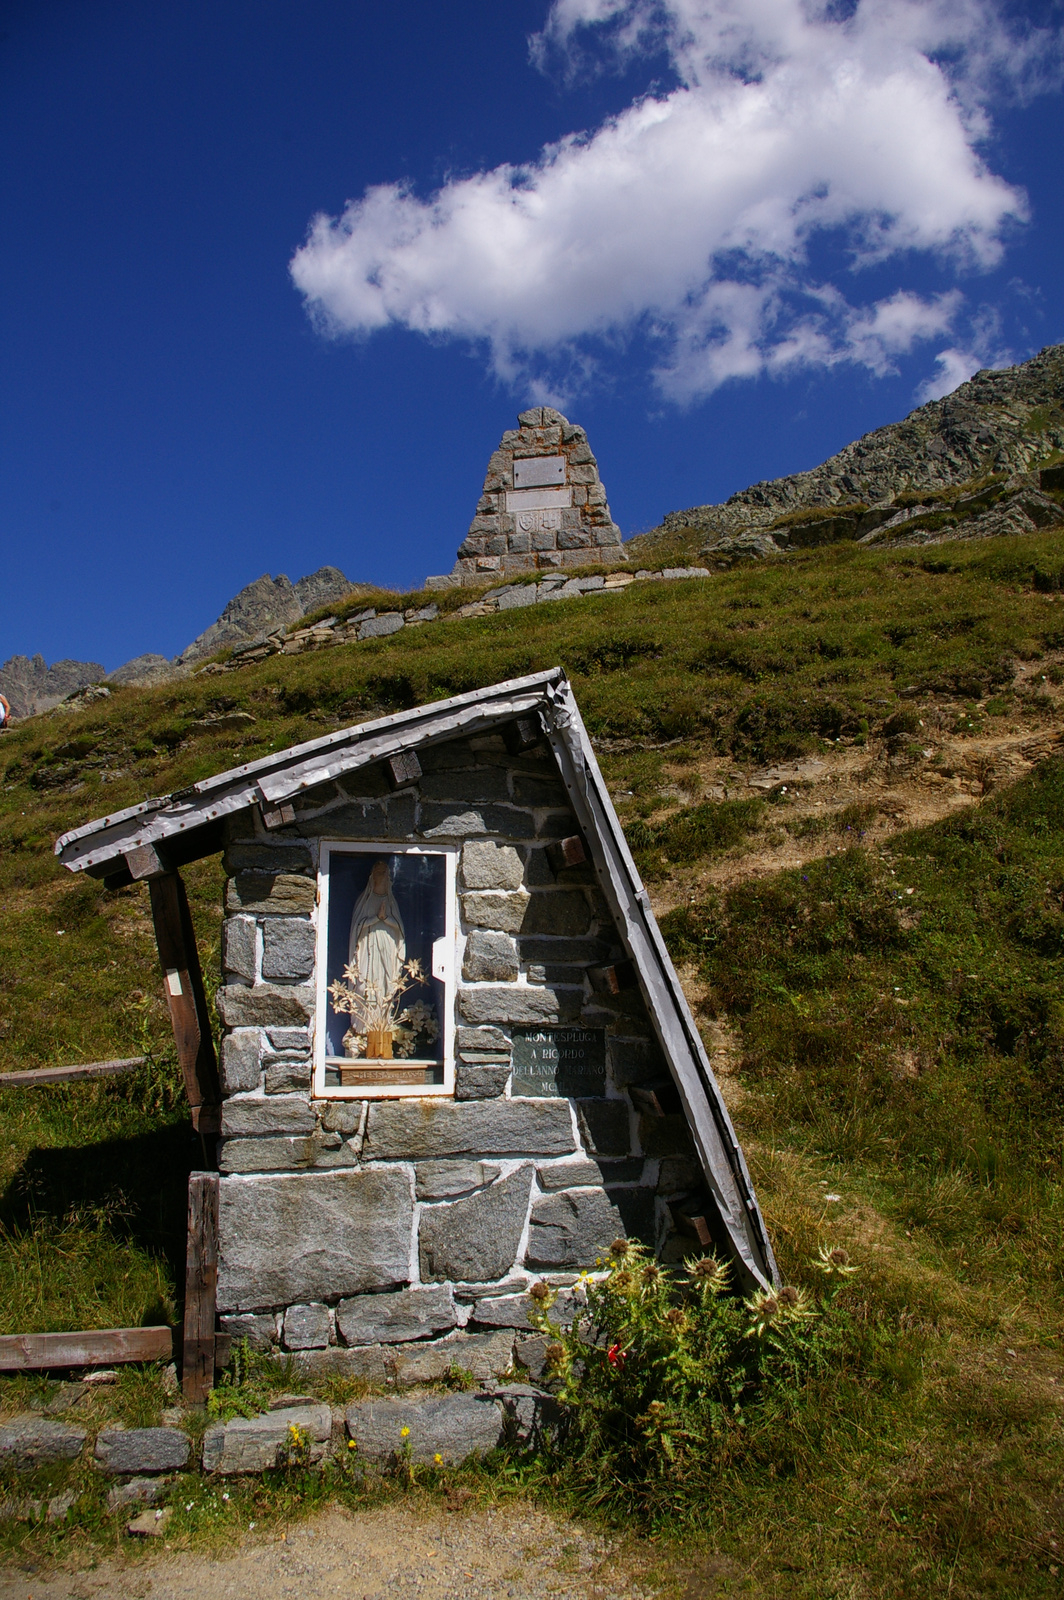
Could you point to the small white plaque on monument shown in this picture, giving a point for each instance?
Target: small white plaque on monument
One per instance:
(538, 499)
(538, 472)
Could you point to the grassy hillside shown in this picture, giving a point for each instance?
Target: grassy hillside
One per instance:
(873, 938)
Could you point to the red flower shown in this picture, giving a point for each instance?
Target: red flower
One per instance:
(615, 1356)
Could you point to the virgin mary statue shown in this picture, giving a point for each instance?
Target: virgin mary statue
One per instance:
(377, 946)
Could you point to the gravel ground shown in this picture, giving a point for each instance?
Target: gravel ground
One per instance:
(510, 1553)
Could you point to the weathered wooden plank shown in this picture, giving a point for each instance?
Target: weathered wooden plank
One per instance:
(201, 1284)
(91, 1069)
(99, 1347)
(185, 995)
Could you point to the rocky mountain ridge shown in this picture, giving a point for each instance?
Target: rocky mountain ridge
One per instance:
(985, 437)
(269, 605)
(986, 460)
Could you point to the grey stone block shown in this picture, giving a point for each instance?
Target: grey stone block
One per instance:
(604, 1127)
(678, 1174)
(489, 958)
(476, 1240)
(415, 1130)
(483, 1039)
(576, 952)
(289, 1039)
(439, 1180)
(286, 1076)
(540, 791)
(264, 1006)
(478, 1081)
(485, 1355)
(240, 947)
(570, 1175)
(572, 1229)
(288, 948)
(638, 1211)
(511, 1310)
(487, 865)
(357, 820)
(518, 1004)
(504, 912)
(342, 1116)
(442, 821)
(307, 1327)
(120, 1450)
(381, 627)
(564, 912)
(396, 1318)
(29, 1441)
(629, 1171)
(275, 894)
(302, 1153)
(532, 1354)
(255, 1444)
(312, 1366)
(259, 1331)
(244, 1118)
(284, 856)
(137, 1492)
(475, 785)
(284, 1238)
(241, 1060)
(636, 1061)
(522, 594)
(665, 1136)
(453, 1426)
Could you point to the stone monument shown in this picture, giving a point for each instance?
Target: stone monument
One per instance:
(542, 506)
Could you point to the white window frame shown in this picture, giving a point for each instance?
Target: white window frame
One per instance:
(443, 965)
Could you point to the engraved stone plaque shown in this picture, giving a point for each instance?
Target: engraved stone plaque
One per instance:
(538, 472)
(567, 1062)
(538, 499)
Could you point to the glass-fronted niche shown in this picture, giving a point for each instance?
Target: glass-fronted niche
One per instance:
(385, 1005)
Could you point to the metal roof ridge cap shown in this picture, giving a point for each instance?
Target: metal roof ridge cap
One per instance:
(358, 731)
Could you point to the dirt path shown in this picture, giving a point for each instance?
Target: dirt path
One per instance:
(394, 1553)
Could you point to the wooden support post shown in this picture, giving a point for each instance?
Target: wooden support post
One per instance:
(183, 983)
(569, 852)
(403, 768)
(201, 1285)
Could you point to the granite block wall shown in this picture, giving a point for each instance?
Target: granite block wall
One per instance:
(394, 1238)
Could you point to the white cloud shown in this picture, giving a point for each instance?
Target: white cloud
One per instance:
(690, 215)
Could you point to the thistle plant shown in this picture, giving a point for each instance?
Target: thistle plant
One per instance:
(664, 1371)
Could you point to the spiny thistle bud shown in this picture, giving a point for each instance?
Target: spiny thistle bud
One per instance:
(619, 1247)
(704, 1268)
(789, 1296)
(555, 1350)
(675, 1317)
(540, 1291)
(651, 1273)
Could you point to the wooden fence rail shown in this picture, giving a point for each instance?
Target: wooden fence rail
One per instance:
(91, 1069)
(101, 1347)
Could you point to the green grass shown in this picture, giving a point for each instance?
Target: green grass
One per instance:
(905, 1052)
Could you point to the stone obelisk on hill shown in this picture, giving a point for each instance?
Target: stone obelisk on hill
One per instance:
(542, 506)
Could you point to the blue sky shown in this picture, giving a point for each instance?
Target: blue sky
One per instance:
(779, 226)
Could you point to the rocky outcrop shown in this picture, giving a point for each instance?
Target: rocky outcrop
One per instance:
(30, 686)
(998, 423)
(269, 605)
